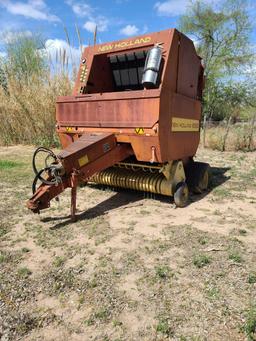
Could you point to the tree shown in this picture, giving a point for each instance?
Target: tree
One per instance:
(222, 40)
(3, 79)
(25, 58)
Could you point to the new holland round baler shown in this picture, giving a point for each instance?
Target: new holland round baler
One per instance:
(133, 121)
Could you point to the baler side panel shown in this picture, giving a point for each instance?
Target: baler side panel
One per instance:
(169, 86)
(184, 144)
(188, 68)
(179, 101)
(115, 112)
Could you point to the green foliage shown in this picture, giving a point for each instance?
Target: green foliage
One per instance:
(25, 57)
(226, 99)
(3, 78)
(222, 34)
(201, 260)
(222, 40)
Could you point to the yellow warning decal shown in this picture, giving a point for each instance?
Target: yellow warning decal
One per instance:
(83, 160)
(184, 124)
(68, 128)
(139, 131)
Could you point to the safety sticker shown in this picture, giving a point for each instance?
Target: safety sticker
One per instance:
(139, 131)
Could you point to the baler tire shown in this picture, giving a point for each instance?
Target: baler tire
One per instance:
(181, 194)
(203, 182)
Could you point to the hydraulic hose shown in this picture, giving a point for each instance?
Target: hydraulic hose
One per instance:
(48, 168)
(45, 150)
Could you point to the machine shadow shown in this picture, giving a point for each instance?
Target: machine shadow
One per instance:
(124, 197)
(217, 178)
(121, 198)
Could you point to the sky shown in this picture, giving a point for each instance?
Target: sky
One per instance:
(115, 19)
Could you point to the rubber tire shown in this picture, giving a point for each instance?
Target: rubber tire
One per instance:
(195, 173)
(181, 194)
(203, 182)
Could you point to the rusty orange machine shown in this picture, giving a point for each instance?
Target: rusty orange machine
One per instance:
(133, 121)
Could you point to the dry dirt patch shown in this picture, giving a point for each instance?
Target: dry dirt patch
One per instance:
(133, 267)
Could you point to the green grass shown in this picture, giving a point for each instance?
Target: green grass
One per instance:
(201, 260)
(250, 324)
(24, 272)
(2, 258)
(4, 230)
(242, 232)
(252, 277)
(81, 300)
(163, 271)
(213, 293)
(101, 314)
(164, 327)
(235, 256)
(25, 250)
(117, 323)
(202, 240)
(221, 192)
(7, 164)
(58, 261)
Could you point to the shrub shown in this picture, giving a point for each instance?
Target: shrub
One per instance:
(27, 101)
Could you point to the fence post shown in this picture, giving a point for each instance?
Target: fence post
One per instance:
(226, 134)
(204, 130)
(250, 141)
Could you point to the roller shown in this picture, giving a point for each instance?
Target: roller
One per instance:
(138, 180)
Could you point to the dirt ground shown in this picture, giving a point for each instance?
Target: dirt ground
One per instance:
(133, 267)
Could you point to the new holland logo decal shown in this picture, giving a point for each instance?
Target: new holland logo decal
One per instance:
(124, 44)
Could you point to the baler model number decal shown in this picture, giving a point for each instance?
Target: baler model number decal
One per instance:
(83, 160)
(124, 44)
(184, 124)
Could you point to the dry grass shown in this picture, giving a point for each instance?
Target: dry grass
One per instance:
(31, 79)
(238, 138)
(27, 112)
